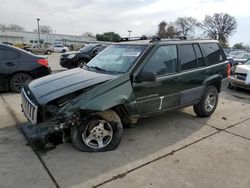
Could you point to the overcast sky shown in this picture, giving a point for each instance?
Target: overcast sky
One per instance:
(140, 16)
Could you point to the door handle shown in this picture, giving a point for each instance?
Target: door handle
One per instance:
(11, 64)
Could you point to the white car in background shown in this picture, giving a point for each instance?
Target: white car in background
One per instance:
(241, 58)
(241, 76)
(60, 48)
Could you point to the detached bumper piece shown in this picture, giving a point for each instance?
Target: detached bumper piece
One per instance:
(41, 139)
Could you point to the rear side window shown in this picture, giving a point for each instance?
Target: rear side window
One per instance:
(213, 53)
(199, 56)
(187, 57)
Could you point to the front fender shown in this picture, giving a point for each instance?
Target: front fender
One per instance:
(104, 96)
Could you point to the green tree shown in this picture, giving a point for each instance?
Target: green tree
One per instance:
(108, 36)
(239, 46)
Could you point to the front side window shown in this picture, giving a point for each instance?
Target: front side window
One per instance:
(187, 57)
(117, 58)
(163, 61)
(213, 53)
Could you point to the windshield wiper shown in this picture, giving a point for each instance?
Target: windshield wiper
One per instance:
(97, 68)
(104, 70)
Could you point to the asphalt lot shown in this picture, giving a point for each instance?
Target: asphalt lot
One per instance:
(177, 149)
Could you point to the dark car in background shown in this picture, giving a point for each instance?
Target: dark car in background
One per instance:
(81, 57)
(18, 67)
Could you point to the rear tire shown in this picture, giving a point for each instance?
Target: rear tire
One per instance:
(18, 80)
(97, 133)
(208, 103)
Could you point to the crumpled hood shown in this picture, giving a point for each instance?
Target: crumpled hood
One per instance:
(57, 85)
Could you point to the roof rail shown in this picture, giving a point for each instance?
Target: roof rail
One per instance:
(151, 39)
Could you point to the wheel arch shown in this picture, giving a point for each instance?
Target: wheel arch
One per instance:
(214, 81)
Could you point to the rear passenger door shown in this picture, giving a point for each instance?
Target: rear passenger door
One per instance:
(192, 73)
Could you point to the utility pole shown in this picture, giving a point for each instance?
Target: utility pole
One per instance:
(38, 30)
(129, 31)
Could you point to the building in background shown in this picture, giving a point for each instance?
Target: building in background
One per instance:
(29, 38)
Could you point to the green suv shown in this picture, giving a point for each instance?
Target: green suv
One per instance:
(125, 82)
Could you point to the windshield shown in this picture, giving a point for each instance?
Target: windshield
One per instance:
(117, 58)
(87, 48)
(243, 56)
(247, 62)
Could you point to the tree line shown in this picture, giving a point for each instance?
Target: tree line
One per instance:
(219, 26)
(15, 27)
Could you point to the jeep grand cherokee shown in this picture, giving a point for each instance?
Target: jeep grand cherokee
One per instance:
(125, 82)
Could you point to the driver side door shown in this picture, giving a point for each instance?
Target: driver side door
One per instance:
(164, 93)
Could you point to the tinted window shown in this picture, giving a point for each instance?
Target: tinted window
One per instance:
(187, 57)
(199, 56)
(163, 61)
(213, 53)
(87, 48)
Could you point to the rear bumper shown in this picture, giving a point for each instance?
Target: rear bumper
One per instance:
(40, 72)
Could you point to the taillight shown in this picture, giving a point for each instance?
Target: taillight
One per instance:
(228, 70)
(43, 62)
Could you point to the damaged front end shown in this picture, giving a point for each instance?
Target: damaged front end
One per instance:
(49, 127)
(53, 114)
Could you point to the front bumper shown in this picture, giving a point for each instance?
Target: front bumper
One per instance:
(239, 83)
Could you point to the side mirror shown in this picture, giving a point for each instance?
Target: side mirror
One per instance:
(145, 76)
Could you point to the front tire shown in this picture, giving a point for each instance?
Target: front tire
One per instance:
(97, 133)
(82, 62)
(18, 80)
(48, 52)
(208, 103)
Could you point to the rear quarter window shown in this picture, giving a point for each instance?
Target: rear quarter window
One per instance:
(213, 53)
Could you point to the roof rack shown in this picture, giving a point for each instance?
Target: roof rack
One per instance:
(151, 39)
